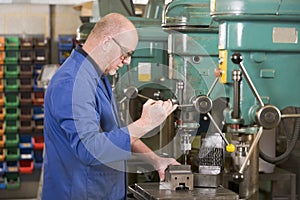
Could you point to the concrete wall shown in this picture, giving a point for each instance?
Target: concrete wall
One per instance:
(35, 19)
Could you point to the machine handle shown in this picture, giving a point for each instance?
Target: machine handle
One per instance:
(237, 58)
(290, 116)
(229, 147)
(239, 176)
(254, 144)
(212, 86)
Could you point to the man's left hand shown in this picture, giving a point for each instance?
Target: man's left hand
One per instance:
(162, 164)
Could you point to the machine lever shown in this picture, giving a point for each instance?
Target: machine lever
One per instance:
(132, 92)
(128, 74)
(236, 77)
(212, 87)
(180, 106)
(290, 116)
(142, 96)
(229, 147)
(217, 127)
(237, 59)
(254, 144)
(185, 105)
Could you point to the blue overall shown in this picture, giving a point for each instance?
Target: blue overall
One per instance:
(85, 149)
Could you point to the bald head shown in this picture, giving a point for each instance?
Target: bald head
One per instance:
(111, 24)
(110, 39)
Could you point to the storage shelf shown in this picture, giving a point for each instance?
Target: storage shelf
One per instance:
(21, 122)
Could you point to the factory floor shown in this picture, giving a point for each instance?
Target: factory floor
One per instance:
(30, 189)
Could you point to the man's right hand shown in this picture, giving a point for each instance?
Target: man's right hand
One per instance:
(155, 112)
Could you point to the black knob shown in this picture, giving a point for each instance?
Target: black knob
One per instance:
(237, 177)
(236, 58)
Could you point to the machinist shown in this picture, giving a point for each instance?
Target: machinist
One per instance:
(85, 148)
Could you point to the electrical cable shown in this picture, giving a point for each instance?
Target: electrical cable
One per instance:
(291, 143)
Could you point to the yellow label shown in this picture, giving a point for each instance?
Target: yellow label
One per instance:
(144, 77)
(223, 65)
(144, 72)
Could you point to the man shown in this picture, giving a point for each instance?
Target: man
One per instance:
(85, 149)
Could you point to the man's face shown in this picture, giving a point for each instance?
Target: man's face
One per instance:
(123, 48)
(117, 64)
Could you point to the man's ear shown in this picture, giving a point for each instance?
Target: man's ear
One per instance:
(107, 43)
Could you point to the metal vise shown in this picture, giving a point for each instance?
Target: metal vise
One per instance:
(180, 177)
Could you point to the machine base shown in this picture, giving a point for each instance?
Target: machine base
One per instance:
(143, 191)
(207, 180)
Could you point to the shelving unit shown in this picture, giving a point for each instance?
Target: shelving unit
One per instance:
(21, 133)
(65, 45)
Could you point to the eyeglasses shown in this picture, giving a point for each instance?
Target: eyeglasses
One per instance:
(126, 53)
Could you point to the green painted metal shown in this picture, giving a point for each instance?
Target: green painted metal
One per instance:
(193, 46)
(151, 49)
(152, 52)
(266, 33)
(154, 9)
(83, 31)
(188, 13)
(255, 7)
(195, 56)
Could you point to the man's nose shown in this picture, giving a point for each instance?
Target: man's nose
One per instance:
(126, 61)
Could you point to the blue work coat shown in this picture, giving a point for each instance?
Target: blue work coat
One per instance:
(85, 149)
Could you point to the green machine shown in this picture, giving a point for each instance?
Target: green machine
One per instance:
(258, 66)
(264, 38)
(193, 58)
(232, 67)
(243, 53)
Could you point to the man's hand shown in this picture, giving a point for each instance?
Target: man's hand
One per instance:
(161, 164)
(155, 112)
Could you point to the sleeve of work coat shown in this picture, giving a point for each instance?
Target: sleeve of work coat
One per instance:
(79, 109)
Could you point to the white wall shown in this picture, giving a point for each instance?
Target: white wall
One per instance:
(35, 19)
(53, 2)
(66, 20)
(24, 18)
